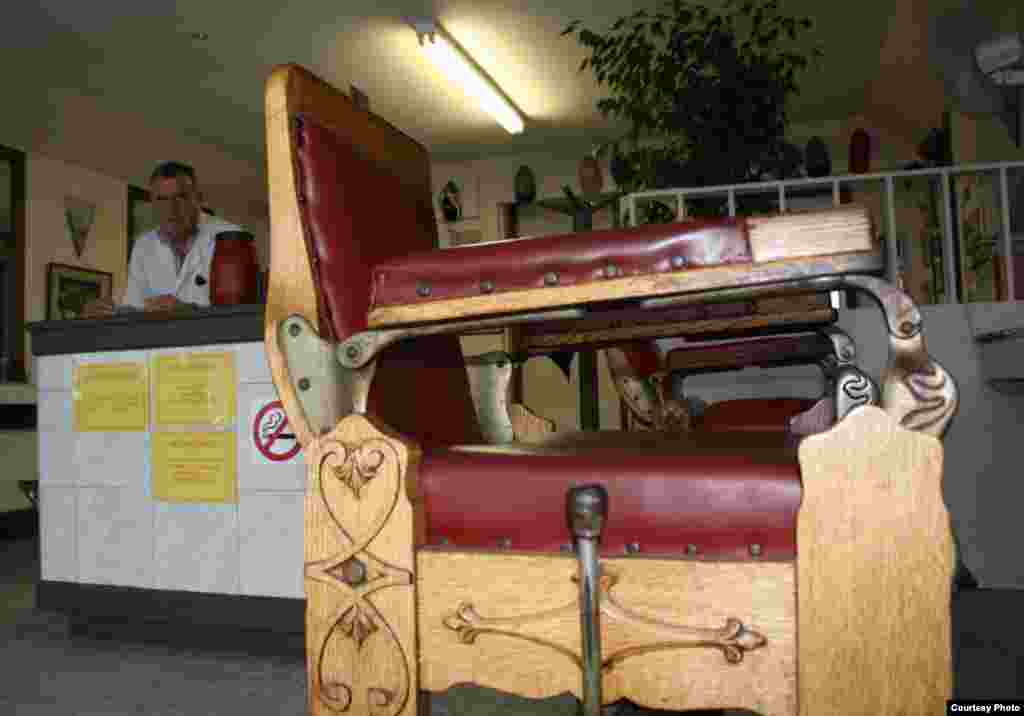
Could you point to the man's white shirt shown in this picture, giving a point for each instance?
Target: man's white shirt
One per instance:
(153, 271)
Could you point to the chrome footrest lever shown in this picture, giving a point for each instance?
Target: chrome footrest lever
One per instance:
(587, 511)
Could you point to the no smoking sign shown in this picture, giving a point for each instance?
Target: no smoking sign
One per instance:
(272, 436)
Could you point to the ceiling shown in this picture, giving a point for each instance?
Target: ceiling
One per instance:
(141, 58)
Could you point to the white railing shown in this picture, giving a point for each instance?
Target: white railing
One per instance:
(888, 182)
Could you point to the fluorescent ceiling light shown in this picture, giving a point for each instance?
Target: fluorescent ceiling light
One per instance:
(453, 61)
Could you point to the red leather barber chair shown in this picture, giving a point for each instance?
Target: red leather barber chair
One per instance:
(727, 570)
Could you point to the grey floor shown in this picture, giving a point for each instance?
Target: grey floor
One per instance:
(47, 671)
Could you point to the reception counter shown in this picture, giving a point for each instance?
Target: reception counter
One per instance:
(131, 529)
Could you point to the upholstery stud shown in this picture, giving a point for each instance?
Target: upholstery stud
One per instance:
(611, 271)
(551, 278)
(678, 262)
(691, 549)
(487, 287)
(755, 550)
(505, 543)
(633, 548)
(422, 289)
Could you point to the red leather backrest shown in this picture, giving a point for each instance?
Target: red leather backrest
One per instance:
(356, 213)
(753, 414)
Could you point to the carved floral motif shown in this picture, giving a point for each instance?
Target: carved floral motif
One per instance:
(734, 639)
(369, 473)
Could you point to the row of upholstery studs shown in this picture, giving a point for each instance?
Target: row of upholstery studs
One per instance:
(551, 278)
(631, 548)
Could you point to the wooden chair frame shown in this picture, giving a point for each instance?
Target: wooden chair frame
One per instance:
(859, 623)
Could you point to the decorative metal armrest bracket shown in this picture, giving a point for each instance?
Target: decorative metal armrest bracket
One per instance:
(849, 386)
(490, 378)
(916, 390)
(323, 387)
(651, 400)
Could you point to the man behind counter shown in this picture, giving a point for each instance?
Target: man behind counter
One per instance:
(170, 265)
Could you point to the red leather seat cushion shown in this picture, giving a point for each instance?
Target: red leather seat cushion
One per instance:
(722, 494)
(753, 414)
(519, 264)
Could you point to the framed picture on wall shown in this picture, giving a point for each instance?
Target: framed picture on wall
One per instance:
(70, 288)
(141, 216)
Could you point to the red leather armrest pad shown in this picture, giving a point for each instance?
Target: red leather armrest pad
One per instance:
(520, 264)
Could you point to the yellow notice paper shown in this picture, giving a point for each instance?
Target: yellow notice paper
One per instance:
(111, 397)
(194, 389)
(194, 467)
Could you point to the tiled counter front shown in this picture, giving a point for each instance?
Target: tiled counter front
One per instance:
(100, 523)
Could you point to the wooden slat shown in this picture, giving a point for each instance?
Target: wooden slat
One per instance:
(718, 277)
(712, 326)
(874, 569)
(290, 290)
(694, 593)
(811, 233)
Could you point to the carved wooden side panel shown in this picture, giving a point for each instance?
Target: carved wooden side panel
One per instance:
(675, 634)
(360, 573)
(874, 569)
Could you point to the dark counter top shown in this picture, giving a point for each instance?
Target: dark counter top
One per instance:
(134, 331)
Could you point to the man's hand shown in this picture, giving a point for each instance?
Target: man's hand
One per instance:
(98, 308)
(166, 302)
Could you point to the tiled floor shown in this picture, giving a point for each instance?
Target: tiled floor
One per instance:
(46, 672)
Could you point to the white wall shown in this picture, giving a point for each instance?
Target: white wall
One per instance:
(100, 519)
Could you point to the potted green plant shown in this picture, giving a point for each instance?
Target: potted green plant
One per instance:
(704, 91)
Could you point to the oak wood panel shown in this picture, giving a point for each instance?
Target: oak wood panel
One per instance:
(360, 628)
(681, 592)
(685, 281)
(874, 569)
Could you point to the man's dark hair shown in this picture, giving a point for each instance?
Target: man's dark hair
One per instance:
(173, 170)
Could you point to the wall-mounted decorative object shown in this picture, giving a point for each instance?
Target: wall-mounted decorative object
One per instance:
(70, 288)
(817, 161)
(451, 202)
(525, 185)
(860, 152)
(591, 177)
(79, 216)
(141, 216)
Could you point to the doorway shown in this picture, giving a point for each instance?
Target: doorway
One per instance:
(13, 366)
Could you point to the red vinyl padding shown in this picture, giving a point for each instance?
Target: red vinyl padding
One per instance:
(752, 414)
(355, 214)
(571, 259)
(722, 497)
